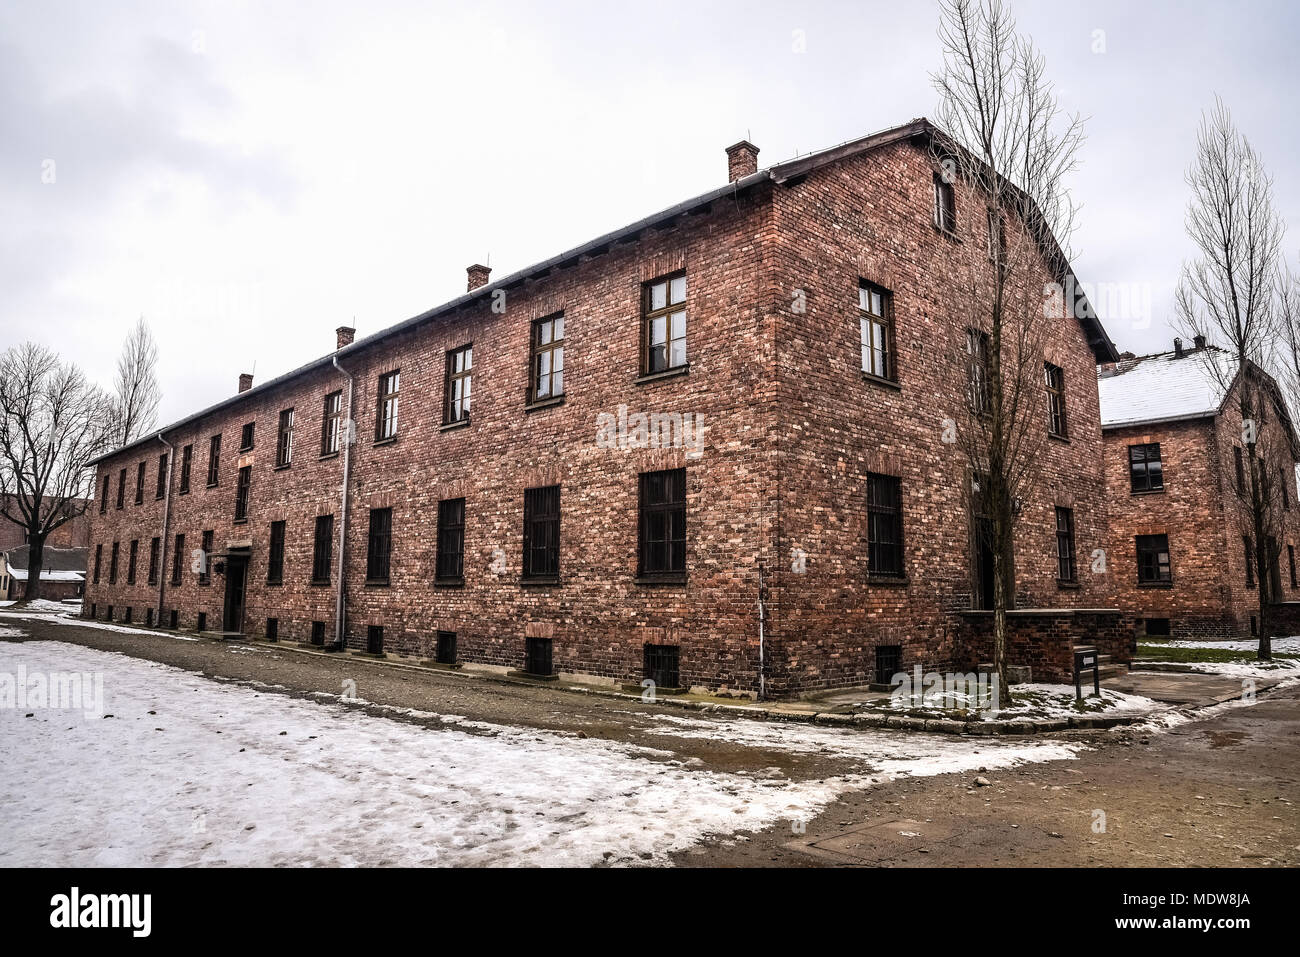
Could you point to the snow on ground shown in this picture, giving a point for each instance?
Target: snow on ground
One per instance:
(1286, 646)
(7, 632)
(47, 606)
(75, 619)
(194, 771)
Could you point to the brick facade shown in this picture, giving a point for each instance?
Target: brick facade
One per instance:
(791, 430)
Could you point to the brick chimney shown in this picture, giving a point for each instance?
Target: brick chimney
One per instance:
(742, 159)
(1199, 341)
(1178, 348)
(245, 381)
(345, 336)
(478, 276)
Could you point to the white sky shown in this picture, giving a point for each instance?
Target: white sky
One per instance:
(248, 176)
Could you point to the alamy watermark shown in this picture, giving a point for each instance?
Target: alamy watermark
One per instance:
(954, 690)
(24, 690)
(651, 430)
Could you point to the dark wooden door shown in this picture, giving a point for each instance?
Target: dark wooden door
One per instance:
(236, 576)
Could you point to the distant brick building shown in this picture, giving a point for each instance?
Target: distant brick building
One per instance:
(1173, 460)
(63, 572)
(635, 459)
(74, 533)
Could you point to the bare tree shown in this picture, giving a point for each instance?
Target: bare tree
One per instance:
(1009, 144)
(53, 421)
(1229, 294)
(135, 407)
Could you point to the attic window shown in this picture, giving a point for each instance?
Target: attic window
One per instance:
(945, 204)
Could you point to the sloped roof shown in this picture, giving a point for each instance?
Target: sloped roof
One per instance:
(58, 564)
(1164, 388)
(1098, 340)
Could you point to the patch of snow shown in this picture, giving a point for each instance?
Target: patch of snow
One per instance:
(1286, 646)
(12, 632)
(73, 619)
(46, 605)
(189, 771)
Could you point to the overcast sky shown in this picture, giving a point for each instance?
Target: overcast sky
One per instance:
(248, 176)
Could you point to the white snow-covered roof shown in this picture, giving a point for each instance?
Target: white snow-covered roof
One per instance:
(47, 575)
(1163, 388)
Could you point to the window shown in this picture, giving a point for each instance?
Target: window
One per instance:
(945, 205)
(977, 371)
(174, 619)
(273, 629)
(121, 488)
(876, 322)
(1054, 377)
(178, 558)
(103, 498)
(201, 623)
(284, 440)
(148, 617)
(112, 566)
(318, 632)
(884, 525)
(1066, 570)
(187, 460)
(1240, 469)
(997, 236)
(459, 386)
(663, 324)
(451, 540)
(445, 651)
(131, 560)
(1290, 555)
(1249, 547)
(548, 357)
(379, 546)
(322, 549)
(542, 532)
(139, 484)
(162, 476)
(241, 493)
(1157, 627)
(331, 422)
(375, 639)
(386, 415)
(1153, 559)
(1145, 471)
(205, 559)
(663, 665)
(155, 550)
(246, 437)
(889, 662)
(662, 527)
(99, 558)
(214, 460)
(275, 555)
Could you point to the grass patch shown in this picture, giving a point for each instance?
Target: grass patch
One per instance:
(1203, 655)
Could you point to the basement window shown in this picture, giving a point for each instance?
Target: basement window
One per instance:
(109, 615)
(445, 652)
(663, 665)
(889, 662)
(318, 632)
(537, 656)
(375, 639)
(202, 624)
(273, 629)
(1157, 628)
(148, 617)
(175, 620)
(126, 616)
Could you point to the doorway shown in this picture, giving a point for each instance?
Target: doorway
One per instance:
(236, 576)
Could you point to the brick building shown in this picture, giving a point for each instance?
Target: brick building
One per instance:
(74, 533)
(1173, 462)
(635, 458)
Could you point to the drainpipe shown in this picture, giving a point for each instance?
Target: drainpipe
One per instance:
(167, 515)
(348, 438)
(762, 614)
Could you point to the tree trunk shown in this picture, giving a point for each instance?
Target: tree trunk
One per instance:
(35, 563)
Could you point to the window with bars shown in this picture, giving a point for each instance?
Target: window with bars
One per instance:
(449, 566)
(162, 476)
(112, 565)
(1066, 569)
(386, 412)
(379, 546)
(187, 461)
(889, 662)
(178, 559)
(121, 488)
(331, 423)
(1054, 378)
(876, 327)
(663, 665)
(205, 559)
(131, 561)
(155, 552)
(322, 549)
(318, 632)
(139, 484)
(459, 385)
(884, 525)
(1145, 470)
(103, 498)
(375, 639)
(977, 371)
(547, 358)
(542, 533)
(275, 554)
(242, 488)
(284, 440)
(945, 204)
(1290, 555)
(246, 437)
(1153, 559)
(662, 526)
(445, 651)
(214, 460)
(663, 324)
(99, 560)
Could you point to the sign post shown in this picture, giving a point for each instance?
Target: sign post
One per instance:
(1083, 660)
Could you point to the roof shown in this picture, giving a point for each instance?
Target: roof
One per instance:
(58, 564)
(1164, 388)
(1098, 340)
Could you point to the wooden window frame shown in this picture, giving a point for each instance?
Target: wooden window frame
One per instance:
(1153, 550)
(322, 552)
(132, 557)
(868, 323)
(178, 559)
(205, 546)
(1248, 544)
(650, 314)
(542, 529)
(388, 389)
(979, 392)
(275, 553)
(331, 429)
(103, 498)
(247, 436)
(944, 205)
(187, 463)
(885, 555)
(550, 350)
(284, 440)
(139, 483)
(1067, 567)
(214, 460)
(379, 547)
(112, 563)
(121, 488)
(457, 410)
(449, 564)
(1144, 450)
(243, 493)
(155, 553)
(161, 491)
(1054, 380)
(671, 543)
(99, 561)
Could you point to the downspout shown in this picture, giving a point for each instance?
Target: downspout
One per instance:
(167, 515)
(762, 614)
(347, 436)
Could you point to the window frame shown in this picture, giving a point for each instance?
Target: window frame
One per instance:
(449, 562)
(284, 439)
(187, 463)
(670, 308)
(178, 559)
(132, 558)
(205, 546)
(944, 210)
(161, 491)
(155, 554)
(121, 488)
(542, 530)
(457, 410)
(885, 513)
(1067, 564)
(979, 392)
(275, 552)
(103, 498)
(868, 322)
(322, 552)
(676, 511)
(1146, 462)
(214, 460)
(243, 494)
(112, 563)
(1153, 549)
(388, 389)
(379, 547)
(247, 436)
(548, 349)
(1054, 381)
(139, 482)
(331, 429)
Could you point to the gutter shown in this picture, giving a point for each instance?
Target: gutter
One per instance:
(167, 515)
(348, 440)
